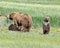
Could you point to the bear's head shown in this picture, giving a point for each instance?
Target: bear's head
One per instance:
(46, 19)
(11, 16)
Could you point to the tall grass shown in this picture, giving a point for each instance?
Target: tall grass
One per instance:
(37, 12)
(56, 2)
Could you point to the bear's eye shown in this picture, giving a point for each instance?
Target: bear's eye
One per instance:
(11, 19)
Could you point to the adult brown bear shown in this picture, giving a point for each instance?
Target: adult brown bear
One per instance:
(22, 21)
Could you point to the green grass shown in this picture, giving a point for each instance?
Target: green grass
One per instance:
(35, 38)
(53, 2)
(37, 11)
(32, 39)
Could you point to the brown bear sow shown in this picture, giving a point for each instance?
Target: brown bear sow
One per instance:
(46, 25)
(22, 21)
(26, 23)
(13, 27)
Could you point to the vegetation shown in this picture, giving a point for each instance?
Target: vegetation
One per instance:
(56, 2)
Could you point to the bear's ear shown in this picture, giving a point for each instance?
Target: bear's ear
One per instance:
(11, 14)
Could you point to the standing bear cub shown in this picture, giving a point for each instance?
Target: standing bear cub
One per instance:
(46, 25)
(22, 21)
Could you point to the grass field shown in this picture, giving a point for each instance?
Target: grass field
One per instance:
(56, 2)
(38, 9)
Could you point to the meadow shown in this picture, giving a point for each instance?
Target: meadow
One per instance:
(35, 38)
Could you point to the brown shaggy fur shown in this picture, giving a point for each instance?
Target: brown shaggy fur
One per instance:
(13, 27)
(20, 20)
(46, 25)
